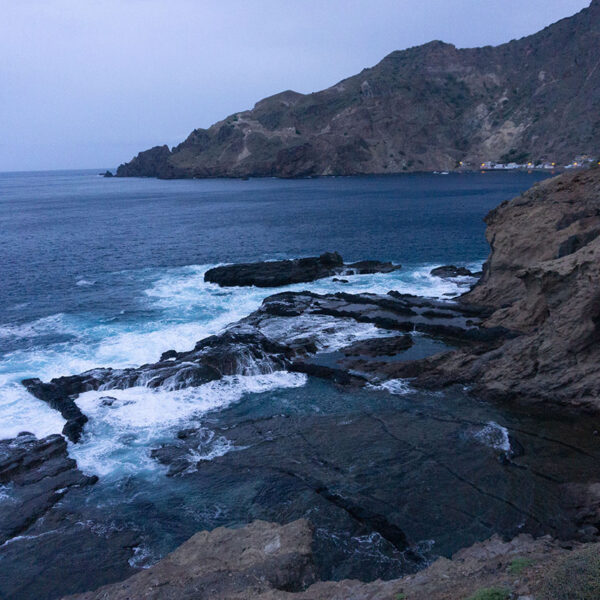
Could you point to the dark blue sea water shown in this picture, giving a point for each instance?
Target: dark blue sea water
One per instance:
(60, 228)
(109, 272)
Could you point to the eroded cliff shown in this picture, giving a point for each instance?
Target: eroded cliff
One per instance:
(542, 279)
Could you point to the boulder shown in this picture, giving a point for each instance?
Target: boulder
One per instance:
(452, 271)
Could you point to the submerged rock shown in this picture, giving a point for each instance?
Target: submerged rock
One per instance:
(286, 272)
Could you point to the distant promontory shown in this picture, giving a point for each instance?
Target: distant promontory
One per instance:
(432, 107)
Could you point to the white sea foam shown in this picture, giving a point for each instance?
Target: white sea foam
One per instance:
(59, 323)
(494, 436)
(209, 449)
(6, 496)
(184, 310)
(120, 431)
(142, 558)
(398, 387)
(20, 538)
(329, 333)
(19, 411)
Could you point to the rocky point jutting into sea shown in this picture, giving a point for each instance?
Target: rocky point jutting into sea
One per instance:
(432, 107)
(403, 468)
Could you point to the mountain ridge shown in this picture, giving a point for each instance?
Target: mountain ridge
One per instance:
(429, 107)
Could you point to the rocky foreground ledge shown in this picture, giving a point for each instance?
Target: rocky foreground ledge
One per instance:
(265, 561)
(39, 473)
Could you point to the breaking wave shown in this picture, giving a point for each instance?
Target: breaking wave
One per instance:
(177, 308)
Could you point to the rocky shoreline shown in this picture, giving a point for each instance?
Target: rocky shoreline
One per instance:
(541, 280)
(526, 332)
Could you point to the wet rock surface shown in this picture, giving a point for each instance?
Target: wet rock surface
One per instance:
(364, 477)
(66, 553)
(49, 546)
(240, 351)
(37, 474)
(286, 272)
(283, 333)
(39, 536)
(378, 347)
(59, 395)
(452, 271)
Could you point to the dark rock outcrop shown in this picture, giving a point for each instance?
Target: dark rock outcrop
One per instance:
(265, 341)
(476, 103)
(286, 272)
(59, 395)
(151, 163)
(243, 351)
(379, 346)
(451, 271)
(38, 474)
(339, 376)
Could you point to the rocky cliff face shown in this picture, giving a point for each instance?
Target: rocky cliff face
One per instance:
(543, 280)
(424, 108)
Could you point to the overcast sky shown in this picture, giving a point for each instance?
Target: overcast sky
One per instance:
(89, 83)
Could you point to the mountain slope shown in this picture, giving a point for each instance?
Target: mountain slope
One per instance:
(424, 108)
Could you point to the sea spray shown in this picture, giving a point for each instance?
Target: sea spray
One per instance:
(121, 431)
(180, 309)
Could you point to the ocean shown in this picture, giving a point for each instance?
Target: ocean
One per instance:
(109, 272)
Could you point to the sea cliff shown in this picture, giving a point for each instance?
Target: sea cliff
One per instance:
(541, 281)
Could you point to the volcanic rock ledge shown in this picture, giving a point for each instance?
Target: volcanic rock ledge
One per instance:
(275, 337)
(39, 473)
